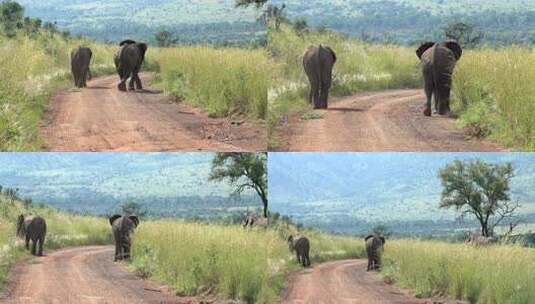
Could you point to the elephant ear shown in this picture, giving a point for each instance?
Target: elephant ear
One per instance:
(424, 47)
(134, 219)
(455, 48)
(142, 48)
(383, 240)
(290, 238)
(127, 41)
(113, 218)
(369, 236)
(332, 52)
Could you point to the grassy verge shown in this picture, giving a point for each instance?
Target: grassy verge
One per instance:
(221, 81)
(494, 95)
(30, 70)
(228, 261)
(360, 67)
(63, 230)
(494, 274)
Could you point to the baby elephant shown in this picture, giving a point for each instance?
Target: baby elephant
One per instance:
(374, 250)
(301, 246)
(32, 228)
(122, 227)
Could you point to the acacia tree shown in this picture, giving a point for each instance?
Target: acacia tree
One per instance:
(243, 171)
(464, 33)
(246, 3)
(479, 189)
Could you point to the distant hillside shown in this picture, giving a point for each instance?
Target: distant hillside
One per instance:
(200, 21)
(411, 21)
(348, 192)
(96, 183)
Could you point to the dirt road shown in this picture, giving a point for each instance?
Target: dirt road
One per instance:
(343, 282)
(378, 121)
(102, 118)
(81, 275)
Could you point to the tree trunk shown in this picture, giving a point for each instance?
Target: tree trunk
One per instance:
(265, 203)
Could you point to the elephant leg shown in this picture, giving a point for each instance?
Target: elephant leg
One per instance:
(429, 87)
(117, 251)
(122, 84)
(41, 244)
(131, 83)
(303, 260)
(308, 259)
(138, 82)
(34, 243)
(325, 86)
(27, 241)
(298, 257)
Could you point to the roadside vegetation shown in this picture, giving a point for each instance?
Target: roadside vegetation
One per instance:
(228, 261)
(63, 229)
(360, 67)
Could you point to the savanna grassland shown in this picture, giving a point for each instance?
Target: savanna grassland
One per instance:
(491, 96)
(360, 67)
(63, 230)
(228, 261)
(221, 81)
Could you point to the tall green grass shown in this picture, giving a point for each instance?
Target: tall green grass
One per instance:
(228, 261)
(493, 92)
(485, 275)
(360, 67)
(221, 81)
(30, 69)
(63, 230)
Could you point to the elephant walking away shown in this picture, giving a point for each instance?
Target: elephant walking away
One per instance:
(128, 61)
(80, 60)
(438, 62)
(301, 246)
(374, 250)
(32, 228)
(122, 228)
(318, 63)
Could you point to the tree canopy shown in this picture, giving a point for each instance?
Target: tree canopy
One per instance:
(479, 189)
(243, 171)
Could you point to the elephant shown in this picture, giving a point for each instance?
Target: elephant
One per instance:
(301, 246)
(80, 60)
(438, 62)
(122, 227)
(32, 228)
(476, 239)
(253, 220)
(318, 63)
(374, 250)
(128, 60)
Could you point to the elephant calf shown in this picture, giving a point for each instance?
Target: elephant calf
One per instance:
(438, 61)
(80, 60)
(318, 63)
(301, 246)
(32, 228)
(122, 227)
(374, 250)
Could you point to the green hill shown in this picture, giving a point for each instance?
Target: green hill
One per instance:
(410, 21)
(204, 21)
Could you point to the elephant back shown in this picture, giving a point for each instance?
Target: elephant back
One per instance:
(35, 227)
(301, 244)
(374, 246)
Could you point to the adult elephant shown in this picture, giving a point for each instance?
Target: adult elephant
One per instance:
(32, 228)
(122, 228)
(438, 61)
(318, 63)
(301, 246)
(128, 61)
(80, 60)
(374, 250)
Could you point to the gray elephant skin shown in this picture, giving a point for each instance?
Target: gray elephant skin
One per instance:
(374, 250)
(122, 228)
(438, 62)
(318, 63)
(301, 246)
(32, 228)
(80, 60)
(128, 61)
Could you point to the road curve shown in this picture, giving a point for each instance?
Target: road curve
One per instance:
(102, 118)
(343, 282)
(389, 120)
(81, 275)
